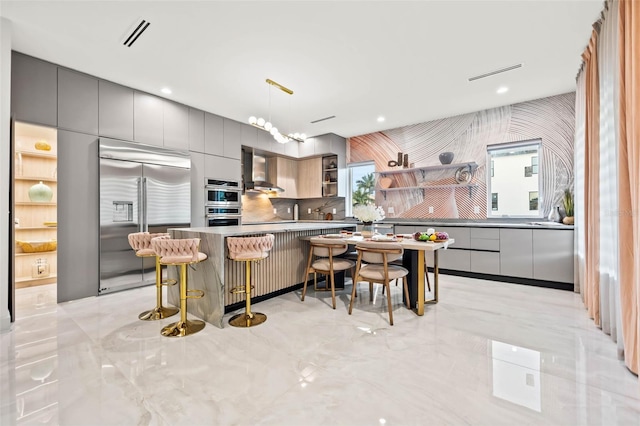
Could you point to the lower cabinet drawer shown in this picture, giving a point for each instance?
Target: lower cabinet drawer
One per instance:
(457, 260)
(484, 262)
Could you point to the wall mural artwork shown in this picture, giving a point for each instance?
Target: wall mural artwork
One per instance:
(467, 137)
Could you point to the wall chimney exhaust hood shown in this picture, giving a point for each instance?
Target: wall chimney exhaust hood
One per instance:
(256, 173)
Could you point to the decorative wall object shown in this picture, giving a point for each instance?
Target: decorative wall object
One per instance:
(551, 119)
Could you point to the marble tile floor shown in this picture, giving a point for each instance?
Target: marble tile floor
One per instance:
(488, 354)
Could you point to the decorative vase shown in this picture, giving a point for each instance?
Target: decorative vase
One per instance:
(40, 193)
(568, 220)
(446, 157)
(554, 215)
(367, 229)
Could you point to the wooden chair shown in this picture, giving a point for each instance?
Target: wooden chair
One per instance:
(379, 269)
(325, 252)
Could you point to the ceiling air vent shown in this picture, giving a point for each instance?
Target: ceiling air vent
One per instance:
(136, 31)
(490, 73)
(323, 119)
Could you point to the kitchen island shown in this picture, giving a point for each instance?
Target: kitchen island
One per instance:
(279, 273)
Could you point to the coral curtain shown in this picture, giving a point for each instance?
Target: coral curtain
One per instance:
(609, 117)
(591, 289)
(629, 177)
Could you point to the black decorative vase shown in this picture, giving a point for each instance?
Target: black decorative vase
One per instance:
(446, 157)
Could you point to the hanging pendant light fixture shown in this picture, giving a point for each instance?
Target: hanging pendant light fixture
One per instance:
(267, 126)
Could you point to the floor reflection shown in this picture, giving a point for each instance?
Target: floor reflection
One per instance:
(516, 375)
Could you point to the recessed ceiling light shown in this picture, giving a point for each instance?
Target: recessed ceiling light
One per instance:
(501, 90)
(166, 91)
(380, 119)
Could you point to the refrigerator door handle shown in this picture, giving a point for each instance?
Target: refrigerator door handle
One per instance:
(145, 219)
(140, 207)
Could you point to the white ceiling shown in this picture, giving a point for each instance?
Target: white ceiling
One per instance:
(357, 60)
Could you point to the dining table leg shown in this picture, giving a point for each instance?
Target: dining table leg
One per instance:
(435, 279)
(420, 278)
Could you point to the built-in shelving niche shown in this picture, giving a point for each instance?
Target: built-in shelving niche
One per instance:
(35, 222)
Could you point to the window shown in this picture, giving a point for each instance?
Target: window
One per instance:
(361, 184)
(514, 179)
(533, 200)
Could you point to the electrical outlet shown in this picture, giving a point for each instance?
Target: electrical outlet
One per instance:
(391, 210)
(275, 211)
(476, 209)
(288, 209)
(334, 211)
(430, 209)
(309, 211)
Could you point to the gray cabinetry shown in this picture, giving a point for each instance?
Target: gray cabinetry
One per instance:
(34, 90)
(307, 148)
(115, 111)
(213, 134)
(197, 189)
(248, 136)
(148, 119)
(232, 137)
(78, 240)
(176, 125)
(221, 167)
(196, 130)
(553, 255)
(77, 102)
(458, 260)
(291, 149)
(516, 253)
(485, 239)
(485, 262)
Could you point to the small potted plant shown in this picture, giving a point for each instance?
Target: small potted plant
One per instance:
(567, 201)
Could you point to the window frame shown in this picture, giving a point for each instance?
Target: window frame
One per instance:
(348, 198)
(537, 143)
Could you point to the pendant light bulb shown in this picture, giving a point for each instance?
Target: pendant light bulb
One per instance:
(253, 120)
(274, 131)
(268, 126)
(260, 122)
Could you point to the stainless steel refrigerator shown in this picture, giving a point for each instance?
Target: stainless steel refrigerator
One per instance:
(142, 188)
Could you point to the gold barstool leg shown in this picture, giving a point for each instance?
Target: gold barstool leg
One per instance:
(248, 318)
(159, 312)
(184, 327)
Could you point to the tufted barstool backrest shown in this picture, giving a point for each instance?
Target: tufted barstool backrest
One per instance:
(244, 248)
(176, 250)
(142, 240)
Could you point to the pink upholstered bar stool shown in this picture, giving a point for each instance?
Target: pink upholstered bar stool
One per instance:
(247, 250)
(181, 252)
(140, 242)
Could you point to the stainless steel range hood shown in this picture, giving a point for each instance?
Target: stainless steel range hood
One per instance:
(256, 172)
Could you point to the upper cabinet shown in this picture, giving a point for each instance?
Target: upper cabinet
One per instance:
(310, 178)
(148, 112)
(176, 125)
(307, 148)
(196, 130)
(34, 90)
(287, 176)
(213, 134)
(115, 111)
(232, 135)
(77, 102)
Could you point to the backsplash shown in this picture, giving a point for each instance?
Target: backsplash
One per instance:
(467, 136)
(257, 207)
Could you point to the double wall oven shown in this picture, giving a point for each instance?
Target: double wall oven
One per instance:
(223, 202)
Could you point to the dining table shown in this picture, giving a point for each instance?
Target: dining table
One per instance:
(414, 260)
